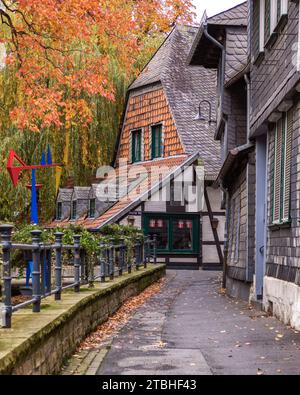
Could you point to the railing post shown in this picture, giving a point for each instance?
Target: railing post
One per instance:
(77, 263)
(145, 252)
(48, 271)
(138, 255)
(155, 249)
(103, 256)
(36, 273)
(5, 233)
(111, 261)
(42, 270)
(58, 265)
(122, 257)
(129, 263)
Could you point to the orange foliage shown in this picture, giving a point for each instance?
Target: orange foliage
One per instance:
(64, 48)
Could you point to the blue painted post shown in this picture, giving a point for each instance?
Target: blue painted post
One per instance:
(36, 274)
(5, 234)
(58, 265)
(77, 263)
(34, 207)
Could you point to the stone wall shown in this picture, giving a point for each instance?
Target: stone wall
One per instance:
(44, 351)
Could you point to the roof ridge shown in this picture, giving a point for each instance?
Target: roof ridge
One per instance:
(228, 10)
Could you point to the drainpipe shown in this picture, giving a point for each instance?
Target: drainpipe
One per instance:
(247, 80)
(226, 238)
(221, 47)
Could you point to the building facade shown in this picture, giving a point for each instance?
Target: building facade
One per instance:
(167, 161)
(274, 126)
(222, 44)
(255, 48)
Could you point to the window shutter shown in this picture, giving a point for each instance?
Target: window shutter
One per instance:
(267, 19)
(277, 173)
(256, 28)
(287, 170)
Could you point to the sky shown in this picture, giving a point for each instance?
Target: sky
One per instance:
(213, 7)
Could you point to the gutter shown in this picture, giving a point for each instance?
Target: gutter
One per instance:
(231, 157)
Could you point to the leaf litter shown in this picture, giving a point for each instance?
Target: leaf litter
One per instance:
(120, 318)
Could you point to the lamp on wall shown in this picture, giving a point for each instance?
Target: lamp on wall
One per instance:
(200, 116)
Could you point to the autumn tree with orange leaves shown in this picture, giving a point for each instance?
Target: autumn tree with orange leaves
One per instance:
(63, 51)
(68, 64)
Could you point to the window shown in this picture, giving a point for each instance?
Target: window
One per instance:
(156, 142)
(282, 169)
(59, 211)
(92, 208)
(136, 146)
(74, 210)
(175, 233)
(260, 33)
(274, 10)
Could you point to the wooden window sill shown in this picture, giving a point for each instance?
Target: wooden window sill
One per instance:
(258, 59)
(271, 40)
(284, 225)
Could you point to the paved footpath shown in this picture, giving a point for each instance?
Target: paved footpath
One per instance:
(190, 328)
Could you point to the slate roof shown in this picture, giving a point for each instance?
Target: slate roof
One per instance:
(235, 16)
(236, 52)
(65, 195)
(157, 172)
(81, 193)
(185, 88)
(234, 23)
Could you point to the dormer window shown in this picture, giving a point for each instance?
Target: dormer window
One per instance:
(92, 208)
(136, 146)
(59, 211)
(156, 142)
(74, 211)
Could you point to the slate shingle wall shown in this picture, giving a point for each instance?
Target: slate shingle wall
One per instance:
(238, 213)
(275, 70)
(283, 245)
(236, 109)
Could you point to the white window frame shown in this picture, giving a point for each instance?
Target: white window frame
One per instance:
(273, 15)
(284, 7)
(262, 25)
(142, 145)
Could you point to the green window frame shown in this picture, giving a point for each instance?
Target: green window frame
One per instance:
(136, 145)
(92, 208)
(282, 169)
(172, 219)
(156, 141)
(74, 210)
(59, 211)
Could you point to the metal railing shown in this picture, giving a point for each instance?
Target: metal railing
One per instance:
(114, 260)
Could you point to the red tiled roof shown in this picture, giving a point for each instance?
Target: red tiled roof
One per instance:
(156, 172)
